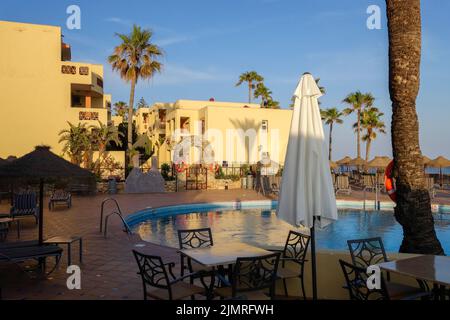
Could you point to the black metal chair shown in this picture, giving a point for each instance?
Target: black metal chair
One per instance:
(192, 239)
(155, 273)
(294, 251)
(356, 284)
(251, 276)
(370, 251)
(367, 252)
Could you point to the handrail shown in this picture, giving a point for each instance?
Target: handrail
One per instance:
(102, 210)
(127, 228)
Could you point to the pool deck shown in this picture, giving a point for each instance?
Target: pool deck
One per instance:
(108, 268)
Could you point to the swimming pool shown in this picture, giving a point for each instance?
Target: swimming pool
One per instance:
(258, 224)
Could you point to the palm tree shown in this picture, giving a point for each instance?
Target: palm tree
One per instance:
(321, 88)
(101, 136)
(357, 102)
(413, 209)
(272, 104)
(371, 123)
(331, 116)
(76, 141)
(264, 93)
(120, 109)
(251, 77)
(135, 58)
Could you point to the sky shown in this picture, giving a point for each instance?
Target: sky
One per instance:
(207, 44)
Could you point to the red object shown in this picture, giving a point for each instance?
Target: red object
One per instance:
(180, 167)
(214, 167)
(212, 99)
(389, 182)
(246, 106)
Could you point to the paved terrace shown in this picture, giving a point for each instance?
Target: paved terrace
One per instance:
(109, 269)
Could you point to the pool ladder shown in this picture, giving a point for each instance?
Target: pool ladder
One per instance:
(118, 212)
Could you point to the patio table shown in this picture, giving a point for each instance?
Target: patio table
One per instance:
(223, 254)
(220, 255)
(435, 269)
(7, 219)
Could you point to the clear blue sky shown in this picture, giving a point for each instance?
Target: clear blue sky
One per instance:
(208, 43)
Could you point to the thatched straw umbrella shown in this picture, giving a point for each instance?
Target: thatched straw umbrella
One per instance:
(440, 162)
(379, 162)
(357, 162)
(344, 161)
(425, 161)
(43, 165)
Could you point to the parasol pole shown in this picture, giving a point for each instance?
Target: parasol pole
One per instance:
(313, 260)
(41, 211)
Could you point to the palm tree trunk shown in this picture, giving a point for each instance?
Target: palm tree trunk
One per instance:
(358, 135)
(413, 209)
(368, 144)
(130, 115)
(330, 141)
(250, 86)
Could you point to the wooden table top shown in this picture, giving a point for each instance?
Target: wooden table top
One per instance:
(431, 268)
(223, 254)
(62, 240)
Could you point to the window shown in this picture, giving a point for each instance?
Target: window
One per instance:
(265, 125)
(77, 101)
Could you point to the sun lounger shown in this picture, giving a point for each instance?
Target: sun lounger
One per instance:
(25, 204)
(60, 197)
(430, 186)
(369, 182)
(343, 185)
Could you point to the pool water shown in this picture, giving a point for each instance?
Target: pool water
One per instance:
(259, 226)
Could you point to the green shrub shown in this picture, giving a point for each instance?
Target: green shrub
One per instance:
(166, 171)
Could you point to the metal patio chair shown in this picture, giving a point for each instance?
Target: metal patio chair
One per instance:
(370, 251)
(159, 275)
(193, 239)
(294, 251)
(252, 278)
(356, 284)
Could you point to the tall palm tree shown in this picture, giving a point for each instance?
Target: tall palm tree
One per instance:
(413, 209)
(101, 136)
(331, 116)
(135, 58)
(76, 141)
(264, 93)
(357, 102)
(252, 78)
(371, 123)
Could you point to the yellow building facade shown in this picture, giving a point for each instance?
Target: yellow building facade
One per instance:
(41, 89)
(238, 133)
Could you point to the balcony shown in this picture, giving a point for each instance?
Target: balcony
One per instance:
(66, 52)
(83, 96)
